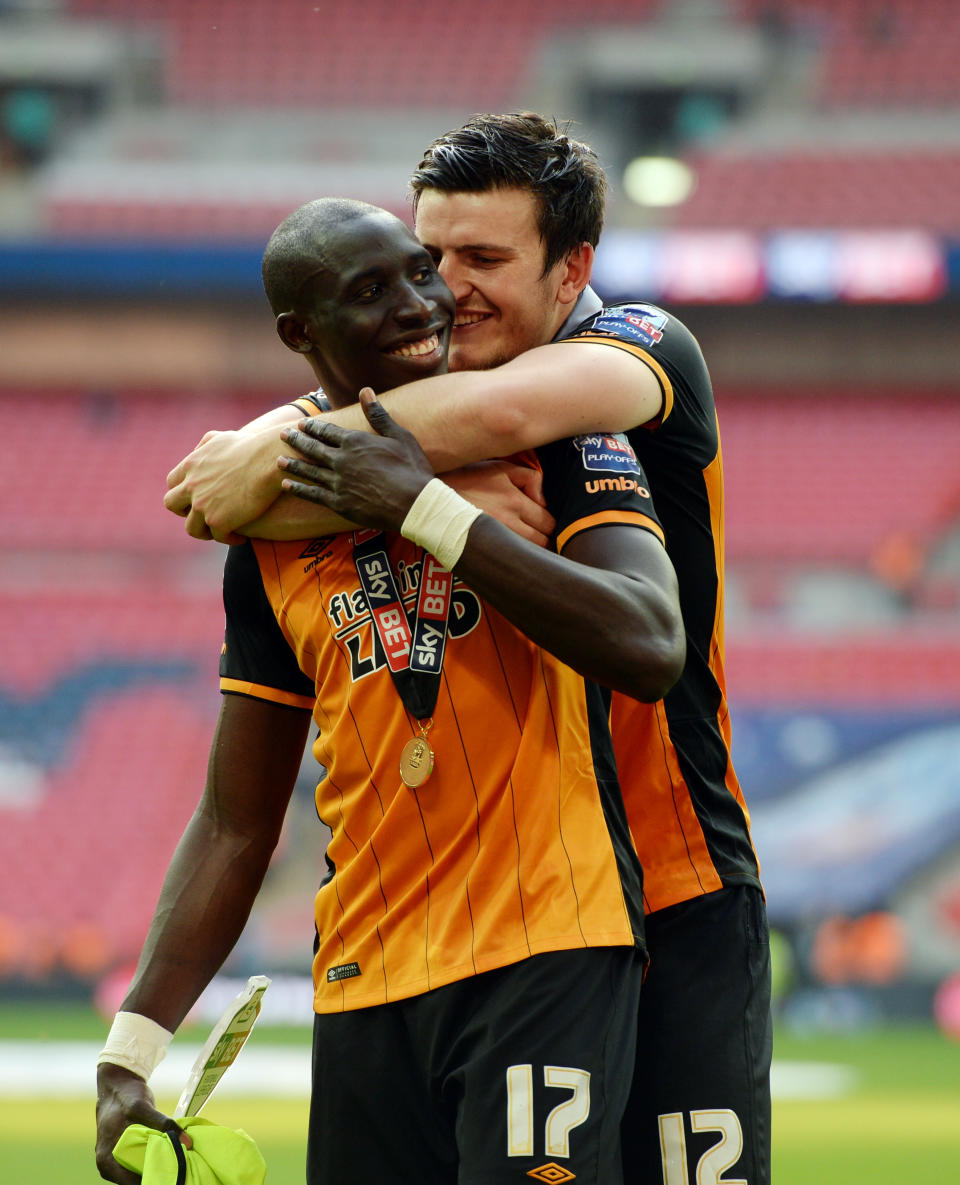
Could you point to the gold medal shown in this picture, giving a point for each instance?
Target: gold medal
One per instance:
(416, 760)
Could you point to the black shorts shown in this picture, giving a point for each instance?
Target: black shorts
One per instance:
(519, 1074)
(701, 1091)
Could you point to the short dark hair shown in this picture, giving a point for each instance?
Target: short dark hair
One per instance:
(297, 248)
(527, 151)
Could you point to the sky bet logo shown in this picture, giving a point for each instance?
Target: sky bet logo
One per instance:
(651, 331)
(349, 611)
(607, 454)
(433, 609)
(392, 624)
(634, 322)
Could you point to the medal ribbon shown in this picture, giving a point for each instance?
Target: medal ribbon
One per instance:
(414, 657)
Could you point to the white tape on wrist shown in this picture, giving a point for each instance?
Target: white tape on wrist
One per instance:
(136, 1042)
(440, 520)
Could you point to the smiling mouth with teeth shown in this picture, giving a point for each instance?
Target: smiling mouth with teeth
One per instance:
(426, 345)
(462, 320)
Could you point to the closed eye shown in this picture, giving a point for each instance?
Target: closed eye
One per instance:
(486, 260)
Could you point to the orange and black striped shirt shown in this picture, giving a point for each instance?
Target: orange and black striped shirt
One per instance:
(518, 842)
(687, 813)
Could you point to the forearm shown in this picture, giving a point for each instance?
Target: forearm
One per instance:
(292, 518)
(207, 895)
(507, 491)
(622, 630)
(451, 416)
(232, 473)
(548, 393)
(466, 417)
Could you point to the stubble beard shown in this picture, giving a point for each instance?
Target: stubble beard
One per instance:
(488, 363)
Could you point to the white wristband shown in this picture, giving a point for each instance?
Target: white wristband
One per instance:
(136, 1042)
(440, 520)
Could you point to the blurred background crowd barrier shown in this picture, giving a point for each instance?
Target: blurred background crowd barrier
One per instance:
(785, 177)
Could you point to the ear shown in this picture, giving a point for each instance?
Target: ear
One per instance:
(294, 334)
(575, 275)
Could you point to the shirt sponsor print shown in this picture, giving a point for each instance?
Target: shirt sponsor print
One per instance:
(607, 453)
(641, 323)
(349, 613)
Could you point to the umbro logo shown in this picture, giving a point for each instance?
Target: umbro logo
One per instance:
(552, 1174)
(316, 546)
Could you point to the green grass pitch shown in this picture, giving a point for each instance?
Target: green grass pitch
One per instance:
(898, 1125)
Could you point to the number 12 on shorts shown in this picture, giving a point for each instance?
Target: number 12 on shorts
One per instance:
(711, 1166)
(562, 1119)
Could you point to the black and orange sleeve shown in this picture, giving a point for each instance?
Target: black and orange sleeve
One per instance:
(596, 480)
(256, 659)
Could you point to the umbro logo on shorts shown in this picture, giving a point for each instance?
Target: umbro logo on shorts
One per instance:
(551, 1174)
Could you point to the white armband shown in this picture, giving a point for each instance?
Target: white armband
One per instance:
(136, 1042)
(440, 520)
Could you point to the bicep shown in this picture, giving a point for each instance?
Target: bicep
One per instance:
(254, 761)
(561, 389)
(630, 551)
(567, 389)
(648, 624)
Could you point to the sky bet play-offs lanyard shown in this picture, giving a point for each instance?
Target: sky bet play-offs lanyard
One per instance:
(414, 658)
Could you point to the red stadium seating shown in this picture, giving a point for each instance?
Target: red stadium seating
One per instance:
(186, 219)
(827, 476)
(121, 448)
(835, 189)
(769, 191)
(109, 699)
(61, 629)
(382, 55)
(377, 54)
(916, 667)
(442, 54)
(878, 54)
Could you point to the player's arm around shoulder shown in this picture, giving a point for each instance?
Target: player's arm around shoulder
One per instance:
(563, 389)
(611, 611)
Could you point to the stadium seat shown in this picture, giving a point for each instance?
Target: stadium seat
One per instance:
(886, 55)
(379, 54)
(818, 477)
(108, 699)
(829, 189)
(121, 448)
